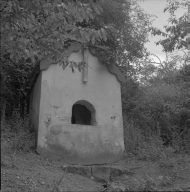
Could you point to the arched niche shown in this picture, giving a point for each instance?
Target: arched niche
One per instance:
(83, 113)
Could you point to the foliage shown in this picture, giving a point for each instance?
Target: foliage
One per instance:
(160, 104)
(149, 148)
(16, 133)
(176, 32)
(129, 33)
(155, 97)
(39, 28)
(31, 30)
(13, 78)
(35, 29)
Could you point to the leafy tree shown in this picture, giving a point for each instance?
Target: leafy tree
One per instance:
(34, 29)
(13, 79)
(129, 33)
(176, 32)
(159, 102)
(38, 28)
(31, 30)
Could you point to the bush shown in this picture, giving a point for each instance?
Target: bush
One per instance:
(158, 109)
(145, 147)
(132, 136)
(16, 133)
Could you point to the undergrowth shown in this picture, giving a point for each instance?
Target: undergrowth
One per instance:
(15, 132)
(149, 147)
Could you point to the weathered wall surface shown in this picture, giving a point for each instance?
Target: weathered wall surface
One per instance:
(35, 104)
(73, 143)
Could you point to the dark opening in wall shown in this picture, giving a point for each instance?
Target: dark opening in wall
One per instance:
(83, 113)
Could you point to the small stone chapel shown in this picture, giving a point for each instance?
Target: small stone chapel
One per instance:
(77, 117)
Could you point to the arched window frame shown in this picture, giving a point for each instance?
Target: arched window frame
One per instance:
(90, 107)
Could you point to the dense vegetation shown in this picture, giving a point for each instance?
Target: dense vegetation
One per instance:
(175, 33)
(29, 33)
(155, 98)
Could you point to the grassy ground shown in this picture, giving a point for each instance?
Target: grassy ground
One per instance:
(27, 171)
(148, 165)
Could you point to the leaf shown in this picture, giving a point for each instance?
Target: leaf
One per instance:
(33, 29)
(93, 40)
(96, 10)
(7, 26)
(56, 9)
(24, 41)
(63, 66)
(84, 36)
(104, 34)
(97, 37)
(100, 34)
(91, 15)
(84, 13)
(58, 1)
(30, 25)
(80, 18)
(87, 35)
(11, 56)
(99, 7)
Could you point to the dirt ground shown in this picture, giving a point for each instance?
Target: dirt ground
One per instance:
(29, 172)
